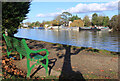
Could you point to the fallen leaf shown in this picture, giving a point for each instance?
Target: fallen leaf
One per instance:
(110, 69)
(107, 77)
(42, 78)
(0, 74)
(6, 66)
(6, 59)
(18, 73)
(8, 70)
(101, 70)
(73, 67)
(3, 61)
(91, 72)
(14, 73)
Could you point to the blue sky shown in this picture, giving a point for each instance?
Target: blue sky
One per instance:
(46, 11)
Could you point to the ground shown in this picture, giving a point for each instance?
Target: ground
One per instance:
(65, 62)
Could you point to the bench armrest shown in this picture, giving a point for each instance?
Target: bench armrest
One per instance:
(37, 51)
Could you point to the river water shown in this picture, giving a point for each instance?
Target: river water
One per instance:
(99, 39)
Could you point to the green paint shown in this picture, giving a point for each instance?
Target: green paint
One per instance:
(21, 47)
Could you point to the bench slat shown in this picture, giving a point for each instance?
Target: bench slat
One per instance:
(14, 44)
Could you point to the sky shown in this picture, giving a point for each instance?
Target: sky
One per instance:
(47, 10)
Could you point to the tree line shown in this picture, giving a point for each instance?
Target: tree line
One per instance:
(104, 21)
(97, 20)
(14, 13)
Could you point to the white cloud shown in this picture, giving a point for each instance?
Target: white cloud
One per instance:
(49, 15)
(85, 8)
(72, 0)
(94, 7)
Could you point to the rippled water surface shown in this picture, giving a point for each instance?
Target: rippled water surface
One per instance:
(98, 40)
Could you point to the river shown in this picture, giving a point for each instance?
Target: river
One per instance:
(95, 39)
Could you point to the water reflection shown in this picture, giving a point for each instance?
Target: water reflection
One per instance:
(99, 39)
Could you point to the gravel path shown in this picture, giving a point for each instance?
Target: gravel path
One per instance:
(78, 61)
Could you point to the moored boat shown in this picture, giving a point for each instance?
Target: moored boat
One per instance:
(89, 28)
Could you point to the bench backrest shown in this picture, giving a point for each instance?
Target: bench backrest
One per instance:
(8, 41)
(16, 45)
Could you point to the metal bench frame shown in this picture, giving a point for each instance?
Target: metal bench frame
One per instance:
(13, 44)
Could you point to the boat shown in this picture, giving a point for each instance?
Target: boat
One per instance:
(110, 30)
(41, 28)
(53, 27)
(35, 27)
(89, 28)
(38, 28)
(103, 28)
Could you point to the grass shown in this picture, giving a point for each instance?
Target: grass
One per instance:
(110, 72)
(92, 76)
(51, 77)
(109, 53)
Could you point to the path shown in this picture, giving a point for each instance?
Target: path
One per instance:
(85, 62)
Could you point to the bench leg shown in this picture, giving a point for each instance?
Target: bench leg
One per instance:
(8, 53)
(20, 56)
(28, 68)
(28, 74)
(46, 66)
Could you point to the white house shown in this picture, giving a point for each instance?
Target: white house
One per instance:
(24, 25)
(69, 23)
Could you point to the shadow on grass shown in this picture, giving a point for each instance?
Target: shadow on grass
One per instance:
(115, 53)
(67, 73)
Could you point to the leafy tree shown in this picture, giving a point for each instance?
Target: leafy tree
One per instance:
(87, 22)
(100, 20)
(114, 23)
(105, 21)
(94, 19)
(65, 17)
(28, 23)
(59, 19)
(37, 23)
(21, 25)
(32, 24)
(47, 22)
(118, 22)
(74, 18)
(56, 23)
(13, 13)
(77, 23)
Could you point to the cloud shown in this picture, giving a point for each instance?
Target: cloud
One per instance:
(94, 7)
(49, 15)
(85, 8)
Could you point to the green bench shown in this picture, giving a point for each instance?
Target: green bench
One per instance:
(14, 44)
